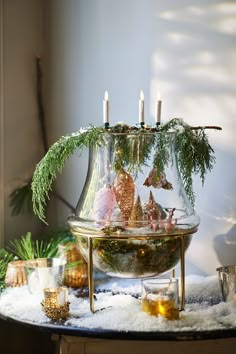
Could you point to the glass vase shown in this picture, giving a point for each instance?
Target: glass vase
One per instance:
(134, 205)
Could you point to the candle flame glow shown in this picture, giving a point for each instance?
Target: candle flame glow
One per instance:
(158, 96)
(106, 97)
(141, 95)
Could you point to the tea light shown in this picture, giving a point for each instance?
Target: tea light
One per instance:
(159, 298)
(168, 309)
(55, 297)
(55, 303)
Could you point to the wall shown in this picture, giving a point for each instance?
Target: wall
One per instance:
(184, 49)
(21, 147)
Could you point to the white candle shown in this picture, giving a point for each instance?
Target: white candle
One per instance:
(158, 113)
(62, 296)
(106, 108)
(141, 107)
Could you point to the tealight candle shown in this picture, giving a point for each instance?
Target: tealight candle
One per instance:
(160, 297)
(141, 108)
(106, 109)
(55, 303)
(158, 113)
(55, 297)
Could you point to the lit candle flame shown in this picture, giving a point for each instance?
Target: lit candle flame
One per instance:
(106, 97)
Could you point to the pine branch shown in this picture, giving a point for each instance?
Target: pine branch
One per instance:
(194, 153)
(53, 162)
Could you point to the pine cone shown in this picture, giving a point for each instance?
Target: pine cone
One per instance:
(123, 186)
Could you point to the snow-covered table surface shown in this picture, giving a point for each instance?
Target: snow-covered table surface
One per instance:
(121, 311)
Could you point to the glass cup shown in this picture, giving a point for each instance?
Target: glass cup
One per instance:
(55, 304)
(160, 297)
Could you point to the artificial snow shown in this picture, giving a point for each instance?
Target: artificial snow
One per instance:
(119, 310)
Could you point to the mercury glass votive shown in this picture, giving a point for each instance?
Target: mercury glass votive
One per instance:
(55, 303)
(227, 281)
(16, 274)
(160, 297)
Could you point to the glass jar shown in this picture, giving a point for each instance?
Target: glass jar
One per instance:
(134, 205)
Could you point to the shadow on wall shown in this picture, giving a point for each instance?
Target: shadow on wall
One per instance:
(225, 247)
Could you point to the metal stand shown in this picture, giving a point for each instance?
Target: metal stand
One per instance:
(182, 272)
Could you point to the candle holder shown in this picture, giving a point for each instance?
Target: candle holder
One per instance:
(16, 274)
(55, 304)
(76, 271)
(227, 281)
(160, 297)
(44, 273)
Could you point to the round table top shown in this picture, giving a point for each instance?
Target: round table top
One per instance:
(119, 314)
(59, 327)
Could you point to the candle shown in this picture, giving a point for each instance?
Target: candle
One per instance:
(141, 108)
(55, 304)
(158, 113)
(106, 109)
(55, 297)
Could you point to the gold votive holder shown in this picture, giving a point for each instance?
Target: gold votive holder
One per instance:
(55, 304)
(160, 297)
(16, 274)
(76, 272)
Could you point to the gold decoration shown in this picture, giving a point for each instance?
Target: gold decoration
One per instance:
(136, 214)
(123, 185)
(55, 304)
(56, 313)
(16, 274)
(76, 272)
(157, 180)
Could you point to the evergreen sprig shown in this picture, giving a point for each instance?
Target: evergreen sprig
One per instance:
(194, 154)
(52, 164)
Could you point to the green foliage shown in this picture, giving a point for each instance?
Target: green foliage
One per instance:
(194, 154)
(25, 248)
(5, 258)
(21, 199)
(132, 153)
(52, 163)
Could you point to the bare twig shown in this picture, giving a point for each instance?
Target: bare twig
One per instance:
(41, 113)
(42, 120)
(207, 127)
